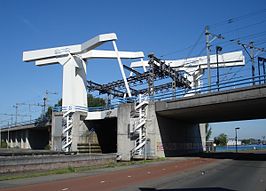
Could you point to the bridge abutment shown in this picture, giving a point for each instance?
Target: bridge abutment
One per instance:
(166, 137)
(86, 133)
(79, 131)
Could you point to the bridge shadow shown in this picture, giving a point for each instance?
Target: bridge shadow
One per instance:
(187, 189)
(230, 155)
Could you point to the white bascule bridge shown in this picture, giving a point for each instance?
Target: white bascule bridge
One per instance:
(74, 60)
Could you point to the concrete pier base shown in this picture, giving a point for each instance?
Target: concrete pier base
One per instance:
(93, 132)
(165, 136)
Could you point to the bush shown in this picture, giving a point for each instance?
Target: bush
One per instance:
(47, 147)
(3, 144)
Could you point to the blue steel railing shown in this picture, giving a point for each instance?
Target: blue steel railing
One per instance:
(24, 123)
(227, 85)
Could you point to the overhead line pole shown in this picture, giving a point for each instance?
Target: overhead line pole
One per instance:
(16, 116)
(207, 34)
(252, 61)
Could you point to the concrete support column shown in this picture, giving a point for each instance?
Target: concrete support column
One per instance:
(22, 144)
(56, 131)
(153, 133)
(27, 140)
(165, 137)
(124, 144)
(11, 139)
(16, 138)
(202, 128)
(79, 130)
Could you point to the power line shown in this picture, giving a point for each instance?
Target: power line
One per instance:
(244, 27)
(196, 43)
(191, 47)
(238, 18)
(256, 38)
(176, 51)
(238, 42)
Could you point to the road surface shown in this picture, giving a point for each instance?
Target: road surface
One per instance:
(227, 175)
(172, 175)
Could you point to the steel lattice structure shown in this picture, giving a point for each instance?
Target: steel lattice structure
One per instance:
(157, 70)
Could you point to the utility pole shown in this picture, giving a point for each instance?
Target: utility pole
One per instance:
(20, 104)
(44, 105)
(252, 61)
(45, 100)
(8, 136)
(236, 139)
(207, 34)
(218, 49)
(16, 115)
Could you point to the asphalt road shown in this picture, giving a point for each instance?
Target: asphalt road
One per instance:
(224, 176)
(194, 174)
(106, 179)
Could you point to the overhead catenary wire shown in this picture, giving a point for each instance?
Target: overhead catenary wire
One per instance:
(190, 47)
(238, 18)
(244, 27)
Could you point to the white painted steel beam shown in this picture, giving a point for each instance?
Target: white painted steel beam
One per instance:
(65, 50)
(107, 54)
(226, 60)
(94, 54)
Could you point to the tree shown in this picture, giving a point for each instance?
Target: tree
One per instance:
(92, 101)
(208, 131)
(95, 102)
(221, 140)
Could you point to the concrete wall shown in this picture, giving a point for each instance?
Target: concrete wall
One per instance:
(124, 143)
(29, 163)
(104, 132)
(172, 137)
(166, 137)
(79, 131)
(180, 138)
(56, 138)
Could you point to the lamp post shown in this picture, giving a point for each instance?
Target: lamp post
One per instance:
(237, 128)
(218, 49)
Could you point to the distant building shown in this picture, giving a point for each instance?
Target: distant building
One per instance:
(232, 142)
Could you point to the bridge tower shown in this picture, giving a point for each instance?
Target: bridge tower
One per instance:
(73, 58)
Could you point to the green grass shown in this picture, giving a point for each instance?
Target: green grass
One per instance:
(70, 169)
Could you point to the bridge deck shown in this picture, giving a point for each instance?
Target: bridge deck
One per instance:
(236, 104)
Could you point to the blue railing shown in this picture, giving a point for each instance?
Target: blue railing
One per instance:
(226, 85)
(24, 123)
(243, 82)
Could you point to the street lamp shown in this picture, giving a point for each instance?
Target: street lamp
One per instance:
(237, 128)
(218, 49)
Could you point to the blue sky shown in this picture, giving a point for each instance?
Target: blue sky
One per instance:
(165, 27)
